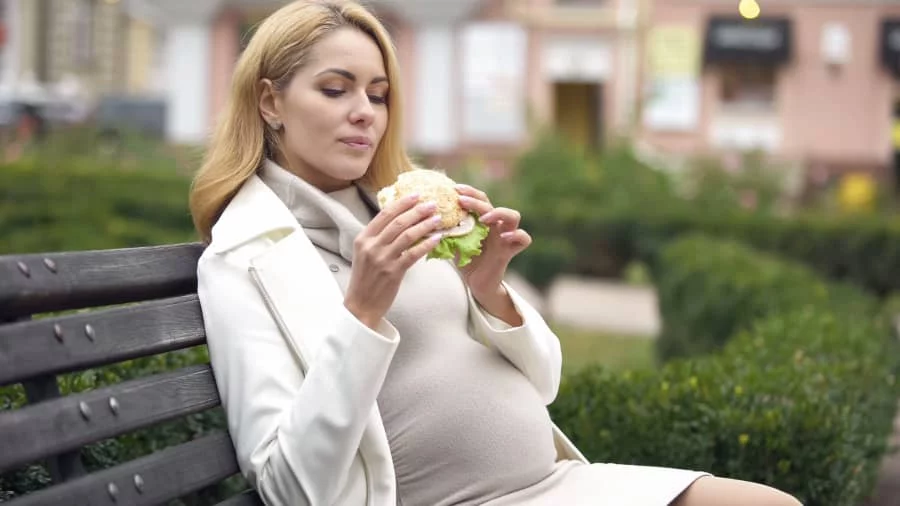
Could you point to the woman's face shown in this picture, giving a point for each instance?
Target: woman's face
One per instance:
(333, 112)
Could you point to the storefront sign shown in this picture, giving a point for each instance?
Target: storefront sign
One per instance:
(890, 45)
(735, 40)
(673, 100)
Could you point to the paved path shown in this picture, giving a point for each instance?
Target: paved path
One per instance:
(887, 491)
(596, 305)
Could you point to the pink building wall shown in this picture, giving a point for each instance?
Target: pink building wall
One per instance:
(225, 46)
(841, 117)
(538, 88)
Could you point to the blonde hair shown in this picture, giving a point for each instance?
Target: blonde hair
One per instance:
(280, 46)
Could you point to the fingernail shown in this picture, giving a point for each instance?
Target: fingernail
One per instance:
(435, 238)
(484, 218)
(412, 197)
(436, 220)
(428, 206)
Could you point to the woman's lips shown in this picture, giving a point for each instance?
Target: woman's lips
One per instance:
(360, 143)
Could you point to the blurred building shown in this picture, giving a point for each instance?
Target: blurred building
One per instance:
(477, 74)
(810, 81)
(70, 57)
(815, 82)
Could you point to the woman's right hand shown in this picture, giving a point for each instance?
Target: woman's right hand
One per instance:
(386, 248)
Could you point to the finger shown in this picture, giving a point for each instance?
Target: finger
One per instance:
(391, 212)
(399, 225)
(413, 254)
(510, 218)
(414, 234)
(473, 192)
(519, 239)
(479, 207)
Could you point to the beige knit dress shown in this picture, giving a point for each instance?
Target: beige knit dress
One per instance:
(464, 425)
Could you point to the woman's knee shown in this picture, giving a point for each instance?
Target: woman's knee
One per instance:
(715, 491)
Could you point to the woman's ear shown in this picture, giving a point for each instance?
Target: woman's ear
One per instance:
(268, 104)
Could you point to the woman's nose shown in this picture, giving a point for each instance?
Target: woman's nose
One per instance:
(363, 111)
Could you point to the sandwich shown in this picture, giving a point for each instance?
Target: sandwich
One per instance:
(462, 233)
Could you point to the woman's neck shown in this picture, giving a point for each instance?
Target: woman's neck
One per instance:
(312, 176)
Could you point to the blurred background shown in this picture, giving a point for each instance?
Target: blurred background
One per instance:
(712, 184)
(811, 83)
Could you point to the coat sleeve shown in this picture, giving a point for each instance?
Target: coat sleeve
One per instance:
(532, 347)
(296, 437)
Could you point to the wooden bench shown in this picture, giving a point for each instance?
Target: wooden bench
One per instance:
(150, 307)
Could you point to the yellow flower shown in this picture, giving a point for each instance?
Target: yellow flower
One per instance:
(743, 439)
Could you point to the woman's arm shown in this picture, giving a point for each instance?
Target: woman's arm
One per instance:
(532, 347)
(296, 437)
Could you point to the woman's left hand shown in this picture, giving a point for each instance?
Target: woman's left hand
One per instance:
(485, 273)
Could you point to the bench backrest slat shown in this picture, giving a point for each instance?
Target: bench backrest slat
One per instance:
(36, 283)
(162, 476)
(80, 341)
(154, 291)
(245, 499)
(32, 433)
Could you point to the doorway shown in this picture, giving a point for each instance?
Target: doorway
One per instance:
(578, 112)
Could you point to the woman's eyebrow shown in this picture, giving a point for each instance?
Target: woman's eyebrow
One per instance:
(350, 75)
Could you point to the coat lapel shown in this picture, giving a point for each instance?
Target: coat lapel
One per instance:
(300, 290)
(304, 298)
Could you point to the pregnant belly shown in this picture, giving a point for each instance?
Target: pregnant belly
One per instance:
(465, 427)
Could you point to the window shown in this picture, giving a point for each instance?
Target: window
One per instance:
(494, 59)
(748, 86)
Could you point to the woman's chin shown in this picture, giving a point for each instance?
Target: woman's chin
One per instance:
(348, 173)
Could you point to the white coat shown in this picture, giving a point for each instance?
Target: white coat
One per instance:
(298, 374)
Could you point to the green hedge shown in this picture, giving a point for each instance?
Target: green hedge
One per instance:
(710, 289)
(862, 250)
(86, 204)
(801, 397)
(594, 214)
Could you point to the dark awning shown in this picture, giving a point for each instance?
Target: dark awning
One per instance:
(737, 40)
(890, 45)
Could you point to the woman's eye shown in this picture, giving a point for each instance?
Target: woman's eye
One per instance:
(330, 92)
(375, 99)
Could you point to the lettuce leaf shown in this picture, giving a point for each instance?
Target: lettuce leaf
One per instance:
(463, 248)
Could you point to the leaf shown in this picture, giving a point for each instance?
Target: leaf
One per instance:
(464, 247)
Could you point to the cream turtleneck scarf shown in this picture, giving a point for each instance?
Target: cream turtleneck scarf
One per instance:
(331, 220)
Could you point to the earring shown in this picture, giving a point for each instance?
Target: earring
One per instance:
(275, 124)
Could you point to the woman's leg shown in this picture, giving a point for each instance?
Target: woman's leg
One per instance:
(714, 491)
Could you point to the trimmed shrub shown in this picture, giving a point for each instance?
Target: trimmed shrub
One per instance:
(709, 289)
(90, 205)
(802, 396)
(612, 209)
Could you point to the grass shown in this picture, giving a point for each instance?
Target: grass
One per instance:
(581, 348)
